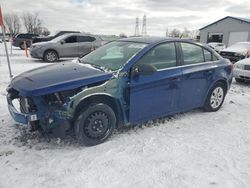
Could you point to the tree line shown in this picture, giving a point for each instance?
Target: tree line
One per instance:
(185, 33)
(30, 22)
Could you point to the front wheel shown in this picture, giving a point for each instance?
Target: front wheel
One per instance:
(50, 56)
(95, 124)
(215, 97)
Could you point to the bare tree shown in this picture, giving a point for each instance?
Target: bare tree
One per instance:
(42, 31)
(12, 23)
(195, 34)
(123, 35)
(31, 22)
(175, 33)
(186, 33)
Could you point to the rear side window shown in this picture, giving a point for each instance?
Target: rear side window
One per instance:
(85, 39)
(215, 58)
(71, 39)
(207, 55)
(162, 56)
(192, 54)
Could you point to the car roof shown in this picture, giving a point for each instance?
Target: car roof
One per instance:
(77, 34)
(151, 40)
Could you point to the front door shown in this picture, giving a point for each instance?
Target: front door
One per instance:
(70, 47)
(156, 95)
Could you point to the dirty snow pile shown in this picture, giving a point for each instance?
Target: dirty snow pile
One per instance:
(194, 149)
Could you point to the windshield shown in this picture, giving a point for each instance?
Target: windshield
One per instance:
(113, 55)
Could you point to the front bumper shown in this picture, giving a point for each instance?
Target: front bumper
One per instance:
(241, 73)
(36, 53)
(18, 116)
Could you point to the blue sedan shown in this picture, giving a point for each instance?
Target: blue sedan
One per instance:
(127, 81)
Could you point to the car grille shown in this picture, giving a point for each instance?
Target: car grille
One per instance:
(227, 53)
(247, 67)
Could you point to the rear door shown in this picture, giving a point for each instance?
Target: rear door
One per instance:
(85, 44)
(198, 70)
(69, 48)
(156, 95)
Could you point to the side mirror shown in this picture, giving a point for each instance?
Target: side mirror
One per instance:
(62, 42)
(144, 69)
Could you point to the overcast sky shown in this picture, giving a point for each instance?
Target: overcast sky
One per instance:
(116, 16)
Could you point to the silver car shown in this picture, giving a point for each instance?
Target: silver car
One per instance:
(67, 45)
(241, 71)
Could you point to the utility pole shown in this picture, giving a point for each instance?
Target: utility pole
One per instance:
(5, 45)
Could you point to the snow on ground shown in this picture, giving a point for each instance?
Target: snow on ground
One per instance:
(194, 149)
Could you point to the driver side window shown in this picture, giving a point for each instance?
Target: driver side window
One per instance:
(161, 57)
(71, 39)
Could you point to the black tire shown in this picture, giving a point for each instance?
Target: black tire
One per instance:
(95, 124)
(215, 97)
(239, 80)
(50, 56)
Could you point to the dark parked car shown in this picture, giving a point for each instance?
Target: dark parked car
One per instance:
(44, 39)
(19, 40)
(66, 45)
(237, 51)
(127, 81)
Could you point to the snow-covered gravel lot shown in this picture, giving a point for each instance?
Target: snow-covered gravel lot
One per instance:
(194, 149)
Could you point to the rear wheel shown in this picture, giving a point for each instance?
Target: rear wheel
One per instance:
(239, 80)
(215, 97)
(95, 124)
(50, 56)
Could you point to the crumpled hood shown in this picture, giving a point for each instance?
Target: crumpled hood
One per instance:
(57, 77)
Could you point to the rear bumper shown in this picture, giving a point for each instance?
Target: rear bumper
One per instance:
(18, 116)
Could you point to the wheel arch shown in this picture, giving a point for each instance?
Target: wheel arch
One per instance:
(101, 98)
(221, 80)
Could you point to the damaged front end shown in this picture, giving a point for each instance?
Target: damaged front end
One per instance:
(41, 97)
(48, 112)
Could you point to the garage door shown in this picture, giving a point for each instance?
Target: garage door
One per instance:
(237, 37)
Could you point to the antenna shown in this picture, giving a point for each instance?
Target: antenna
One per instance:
(144, 26)
(137, 26)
